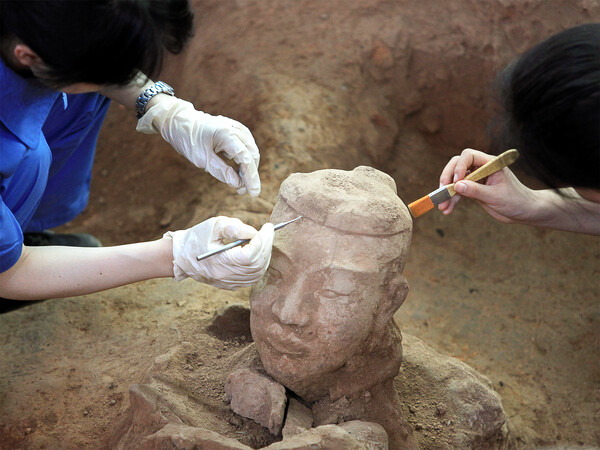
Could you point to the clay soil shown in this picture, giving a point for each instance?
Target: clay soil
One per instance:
(398, 85)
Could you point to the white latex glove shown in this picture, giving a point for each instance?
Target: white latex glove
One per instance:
(238, 267)
(201, 137)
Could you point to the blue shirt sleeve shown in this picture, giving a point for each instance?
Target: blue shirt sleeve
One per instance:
(25, 157)
(23, 177)
(11, 238)
(11, 234)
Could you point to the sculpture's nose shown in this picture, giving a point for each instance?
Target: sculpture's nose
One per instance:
(291, 308)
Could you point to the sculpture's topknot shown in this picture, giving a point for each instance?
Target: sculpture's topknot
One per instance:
(362, 201)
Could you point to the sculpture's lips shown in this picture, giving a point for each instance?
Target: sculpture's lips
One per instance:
(289, 346)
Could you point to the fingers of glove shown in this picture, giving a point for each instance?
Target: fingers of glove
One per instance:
(233, 228)
(232, 146)
(249, 175)
(225, 272)
(243, 266)
(233, 285)
(227, 141)
(254, 257)
(223, 172)
(229, 127)
(244, 135)
(230, 270)
(258, 250)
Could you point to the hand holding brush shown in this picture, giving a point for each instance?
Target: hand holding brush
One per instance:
(447, 191)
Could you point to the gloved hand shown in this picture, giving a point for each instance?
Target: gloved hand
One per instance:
(201, 137)
(238, 267)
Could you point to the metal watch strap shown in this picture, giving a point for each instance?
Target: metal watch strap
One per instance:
(157, 88)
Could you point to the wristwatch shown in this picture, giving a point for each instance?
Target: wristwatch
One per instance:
(160, 87)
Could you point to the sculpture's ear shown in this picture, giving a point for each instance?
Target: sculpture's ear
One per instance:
(396, 290)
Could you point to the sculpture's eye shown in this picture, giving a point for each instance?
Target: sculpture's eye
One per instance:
(273, 276)
(329, 294)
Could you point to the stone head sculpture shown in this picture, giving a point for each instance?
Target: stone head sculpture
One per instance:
(322, 317)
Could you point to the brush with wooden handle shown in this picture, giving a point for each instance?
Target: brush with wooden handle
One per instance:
(444, 193)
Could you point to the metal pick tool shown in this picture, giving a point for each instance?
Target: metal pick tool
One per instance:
(240, 241)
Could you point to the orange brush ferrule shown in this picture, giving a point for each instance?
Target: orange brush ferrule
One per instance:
(426, 203)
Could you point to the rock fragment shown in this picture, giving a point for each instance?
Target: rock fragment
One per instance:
(180, 437)
(372, 435)
(299, 418)
(323, 437)
(257, 397)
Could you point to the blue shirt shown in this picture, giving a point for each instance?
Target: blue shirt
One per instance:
(47, 143)
(24, 107)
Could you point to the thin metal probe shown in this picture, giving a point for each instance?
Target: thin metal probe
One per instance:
(240, 241)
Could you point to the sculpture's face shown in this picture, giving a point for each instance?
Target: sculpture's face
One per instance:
(317, 304)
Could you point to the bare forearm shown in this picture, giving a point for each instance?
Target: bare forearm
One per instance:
(567, 213)
(50, 272)
(127, 95)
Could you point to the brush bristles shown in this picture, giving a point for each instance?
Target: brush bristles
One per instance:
(421, 206)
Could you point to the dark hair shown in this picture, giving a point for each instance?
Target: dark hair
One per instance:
(98, 41)
(551, 100)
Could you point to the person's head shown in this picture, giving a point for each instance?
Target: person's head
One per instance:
(551, 99)
(324, 311)
(92, 42)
